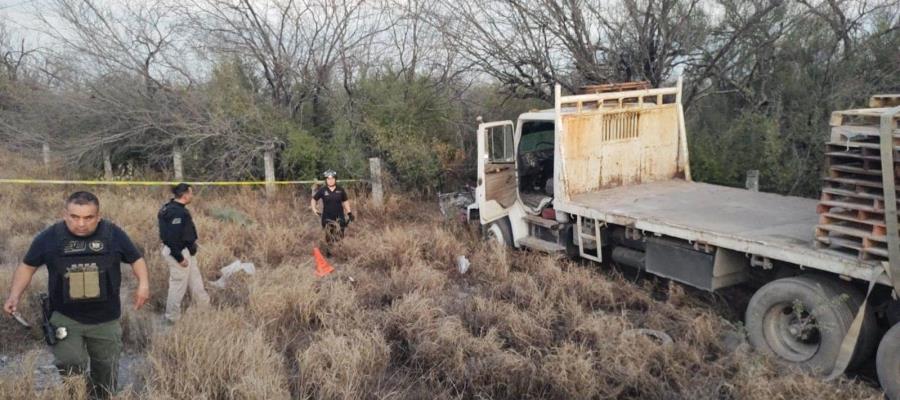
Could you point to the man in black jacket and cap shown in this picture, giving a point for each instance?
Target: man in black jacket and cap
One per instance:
(179, 237)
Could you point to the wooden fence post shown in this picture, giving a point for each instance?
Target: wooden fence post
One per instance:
(752, 182)
(177, 162)
(269, 166)
(377, 181)
(45, 152)
(107, 165)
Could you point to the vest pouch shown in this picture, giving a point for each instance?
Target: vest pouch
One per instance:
(74, 285)
(85, 286)
(91, 284)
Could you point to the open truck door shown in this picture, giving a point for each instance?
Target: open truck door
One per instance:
(496, 191)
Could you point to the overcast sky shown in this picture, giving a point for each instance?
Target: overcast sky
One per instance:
(20, 17)
(20, 13)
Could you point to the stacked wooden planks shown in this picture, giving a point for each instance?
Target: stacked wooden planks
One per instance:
(884, 100)
(615, 87)
(851, 208)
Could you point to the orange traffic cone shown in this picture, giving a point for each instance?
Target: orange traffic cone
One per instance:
(322, 266)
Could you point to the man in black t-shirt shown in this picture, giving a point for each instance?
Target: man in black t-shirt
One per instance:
(83, 255)
(335, 207)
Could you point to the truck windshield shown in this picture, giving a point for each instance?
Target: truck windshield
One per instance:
(536, 135)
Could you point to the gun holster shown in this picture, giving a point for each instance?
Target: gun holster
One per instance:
(46, 327)
(49, 333)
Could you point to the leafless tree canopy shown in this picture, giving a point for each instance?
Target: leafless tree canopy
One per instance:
(334, 81)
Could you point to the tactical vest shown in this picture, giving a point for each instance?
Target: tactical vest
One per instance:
(86, 266)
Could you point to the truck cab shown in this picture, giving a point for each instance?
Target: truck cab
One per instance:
(515, 189)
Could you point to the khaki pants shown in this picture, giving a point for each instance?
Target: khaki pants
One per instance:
(180, 279)
(94, 345)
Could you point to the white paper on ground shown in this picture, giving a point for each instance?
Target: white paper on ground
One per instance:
(462, 263)
(231, 269)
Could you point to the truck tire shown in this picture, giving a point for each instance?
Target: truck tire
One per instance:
(499, 232)
(887, 363)
(804, 319)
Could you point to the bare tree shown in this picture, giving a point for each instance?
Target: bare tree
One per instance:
(22, 126)
(846, 17)
(13, 53)
(648, 39)
(507, 43)
(295, 45)
(414, 47)
(134, 37)
(125, 53)
(531, 44)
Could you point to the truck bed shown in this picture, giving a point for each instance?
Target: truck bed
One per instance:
(765, 224)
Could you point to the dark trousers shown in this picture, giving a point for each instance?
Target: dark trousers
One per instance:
(94, 345)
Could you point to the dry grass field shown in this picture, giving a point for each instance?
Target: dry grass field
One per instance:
(396, 320)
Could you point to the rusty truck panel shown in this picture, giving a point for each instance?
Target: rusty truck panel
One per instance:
(609, 141)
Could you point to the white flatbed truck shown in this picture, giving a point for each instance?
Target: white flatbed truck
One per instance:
(606, 176)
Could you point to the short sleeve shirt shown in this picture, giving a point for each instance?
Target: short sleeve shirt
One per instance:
(332, 202)
(45, 250)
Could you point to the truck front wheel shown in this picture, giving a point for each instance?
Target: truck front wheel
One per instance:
(499, 232)
(804, 319)
(887, 363)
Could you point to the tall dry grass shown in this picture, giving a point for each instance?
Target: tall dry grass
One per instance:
(215, 355)
(20, 383)
(397, 320)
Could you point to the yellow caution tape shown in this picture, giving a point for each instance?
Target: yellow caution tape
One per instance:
(163, 183)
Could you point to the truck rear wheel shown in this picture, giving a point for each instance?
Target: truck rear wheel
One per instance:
(887, 363)
(804, 319)
(499, 232)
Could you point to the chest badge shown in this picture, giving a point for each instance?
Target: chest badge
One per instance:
(96, 245)
(73, 246)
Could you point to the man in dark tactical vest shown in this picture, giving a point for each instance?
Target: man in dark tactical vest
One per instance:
(83, 255)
